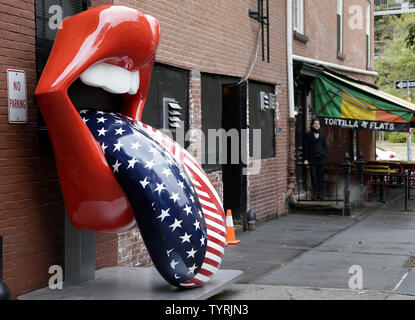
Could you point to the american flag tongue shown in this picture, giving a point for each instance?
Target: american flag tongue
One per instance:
(165, 203)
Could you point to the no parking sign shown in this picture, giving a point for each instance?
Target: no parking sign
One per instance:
(17, 98)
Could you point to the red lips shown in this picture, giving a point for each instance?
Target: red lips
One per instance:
(113, 34)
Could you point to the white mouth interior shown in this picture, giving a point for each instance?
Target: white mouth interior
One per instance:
(111, 78)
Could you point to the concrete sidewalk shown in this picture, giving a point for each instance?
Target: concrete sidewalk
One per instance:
(308, 257)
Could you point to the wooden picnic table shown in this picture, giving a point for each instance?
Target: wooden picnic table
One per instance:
(389, 163)
(402, 166)
(387, 171)
(376, 166)
(408, 165)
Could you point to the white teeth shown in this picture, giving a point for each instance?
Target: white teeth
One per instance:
(112, 78)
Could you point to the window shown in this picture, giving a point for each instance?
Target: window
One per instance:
(167, 103)
(368, 31)
(211, 118)
(299, 16)
(340, 29)
(263, 120)
(45, 36)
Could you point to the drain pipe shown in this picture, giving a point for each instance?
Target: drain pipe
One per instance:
(290, 58)
(291, 119)
(5, 293)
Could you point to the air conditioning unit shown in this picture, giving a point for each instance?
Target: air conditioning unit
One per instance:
(268, 101)
(171, 114)
(272, 101)
(264, 101)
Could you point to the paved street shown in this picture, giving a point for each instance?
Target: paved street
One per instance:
(304, 256)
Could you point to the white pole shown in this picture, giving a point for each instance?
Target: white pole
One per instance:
(409, 145)
(409, 138)
(290, 72)
(333, 65)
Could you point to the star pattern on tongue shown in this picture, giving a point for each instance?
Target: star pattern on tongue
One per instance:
(136, 160)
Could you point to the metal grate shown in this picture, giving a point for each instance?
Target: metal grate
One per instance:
(172, 112)
(264, 20)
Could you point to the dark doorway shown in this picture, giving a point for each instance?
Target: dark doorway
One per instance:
(304, 76)
(234, 179)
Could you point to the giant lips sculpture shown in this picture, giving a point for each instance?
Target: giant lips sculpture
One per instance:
(113, 169)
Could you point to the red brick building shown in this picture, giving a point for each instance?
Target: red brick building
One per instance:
(206, 49)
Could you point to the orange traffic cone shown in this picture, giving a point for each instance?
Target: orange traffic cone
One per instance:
(230, 232)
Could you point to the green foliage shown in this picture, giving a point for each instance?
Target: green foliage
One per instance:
(398, 59)
(410, 38)
(396, 137)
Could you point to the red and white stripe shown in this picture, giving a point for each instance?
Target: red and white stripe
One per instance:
(211, 207)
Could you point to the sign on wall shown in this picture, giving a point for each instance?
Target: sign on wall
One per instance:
(16, 94)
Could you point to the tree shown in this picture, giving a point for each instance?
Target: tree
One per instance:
(410, 38)
(397, 61)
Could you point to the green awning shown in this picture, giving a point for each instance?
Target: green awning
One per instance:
(348, 104)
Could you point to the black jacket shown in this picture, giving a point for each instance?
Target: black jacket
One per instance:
(315, 150)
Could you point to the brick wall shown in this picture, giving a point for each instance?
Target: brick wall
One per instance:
(322, 44)
(220, 38)
(31, 210)
(267, 178)
(31, 205)
(216, 38)
(131, 249)
(97, 3)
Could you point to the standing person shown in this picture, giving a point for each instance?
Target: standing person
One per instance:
(316, 154)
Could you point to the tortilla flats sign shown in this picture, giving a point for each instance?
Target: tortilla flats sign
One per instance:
(367, 125)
